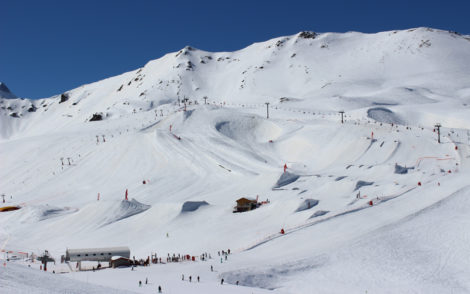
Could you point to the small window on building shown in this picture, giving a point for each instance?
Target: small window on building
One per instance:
(102, 254)
(78, 255)
(109, 253)
(94, 254)
(86, 254)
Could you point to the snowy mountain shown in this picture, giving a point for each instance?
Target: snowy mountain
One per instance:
(187, 135)
(320, 71)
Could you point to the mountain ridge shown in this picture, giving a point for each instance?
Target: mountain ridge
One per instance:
(307, 67)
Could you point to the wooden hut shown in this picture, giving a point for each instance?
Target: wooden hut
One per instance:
(118, 261)
(245, 204)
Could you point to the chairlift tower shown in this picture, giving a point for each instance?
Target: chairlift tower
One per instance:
(438, 127)
(267, 109)
(342, 116)
(45, 258)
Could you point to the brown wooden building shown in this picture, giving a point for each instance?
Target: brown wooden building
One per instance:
(245, 204)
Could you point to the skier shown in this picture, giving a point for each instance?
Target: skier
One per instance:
(182, 277)
(285, 167)
(222, 281)
(198, 279)
(140, 283)
(159, 289)
(212, 268)
(190, 278)
(146, 281)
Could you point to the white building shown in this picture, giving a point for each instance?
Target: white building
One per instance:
(96, 254)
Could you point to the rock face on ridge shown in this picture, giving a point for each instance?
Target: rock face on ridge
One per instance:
(5, 92)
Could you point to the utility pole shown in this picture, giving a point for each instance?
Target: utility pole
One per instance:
(185, 101)
(267, 109)
(342, 116)
(438, 127)
(205, 99)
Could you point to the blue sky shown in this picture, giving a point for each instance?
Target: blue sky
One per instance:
(48, 47)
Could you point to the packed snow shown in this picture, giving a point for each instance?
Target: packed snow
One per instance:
(155, 159)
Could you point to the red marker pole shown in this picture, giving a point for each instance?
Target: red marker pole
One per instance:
(126, 194)
(285, 167)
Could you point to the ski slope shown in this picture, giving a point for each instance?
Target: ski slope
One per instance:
(372, 204)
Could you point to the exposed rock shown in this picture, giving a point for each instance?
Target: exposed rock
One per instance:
(64, 97)
(308, 35)
(96, 117)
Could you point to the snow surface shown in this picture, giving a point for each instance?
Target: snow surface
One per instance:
(395, 236)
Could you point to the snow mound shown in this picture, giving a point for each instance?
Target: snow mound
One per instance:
(307, 204)
(319, 213)
(401, 170)
(384, 115)
(189, 206)
(18, 279)
(286, 179)
(37, 213)
(361, 184)
(126, 209)
(248, 129)
(50, 212)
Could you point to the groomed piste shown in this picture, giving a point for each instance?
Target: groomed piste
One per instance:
(372, 204)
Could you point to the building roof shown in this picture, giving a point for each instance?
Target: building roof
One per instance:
(246, 200)
(95, 250)
(119, 257)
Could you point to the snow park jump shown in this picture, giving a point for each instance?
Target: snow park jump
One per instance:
(351, 176)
